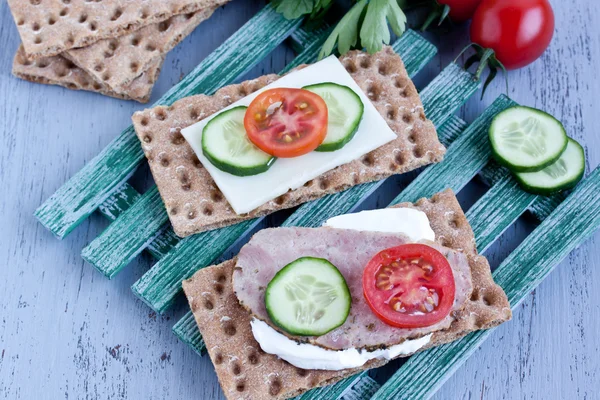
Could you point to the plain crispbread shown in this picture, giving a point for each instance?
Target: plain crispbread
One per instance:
(195, 204)
(49, 27)
(246, 372)
(118, 61)
(58, 70)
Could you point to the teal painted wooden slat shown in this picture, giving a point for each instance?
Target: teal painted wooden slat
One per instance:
(173, 273)
(363, 387)
(544, 206)
(160, 285)
(189, 333)
(302, 38)
(463, 160)
(93, 184)
(541, 207)
(566, 228)
(117, 239)
(124, 197)
(447, 93)
(497, 210)
(124, 239)
(451, 130)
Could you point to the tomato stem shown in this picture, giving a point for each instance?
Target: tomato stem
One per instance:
(486, 58)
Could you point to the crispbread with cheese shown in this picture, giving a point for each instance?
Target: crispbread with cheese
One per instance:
(195, 204)
(246, 372)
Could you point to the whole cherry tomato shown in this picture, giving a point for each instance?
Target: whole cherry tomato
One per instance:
(518, 31)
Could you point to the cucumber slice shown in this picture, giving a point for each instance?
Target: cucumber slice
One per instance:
(564, 174)
(526, 140)
(308, 297)
(345, 109)
(226, 145)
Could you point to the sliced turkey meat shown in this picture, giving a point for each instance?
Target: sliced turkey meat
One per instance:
(349, 250)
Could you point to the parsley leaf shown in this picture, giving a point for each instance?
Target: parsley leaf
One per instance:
(345, 33)
(374, 29)
(367, 19)
(292, 9)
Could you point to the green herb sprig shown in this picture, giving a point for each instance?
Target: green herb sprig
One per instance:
(367, 20)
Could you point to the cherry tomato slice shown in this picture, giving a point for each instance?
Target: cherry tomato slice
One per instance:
(286, 122)
(409, 286)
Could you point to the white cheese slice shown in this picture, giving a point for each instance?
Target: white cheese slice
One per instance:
(244, 194)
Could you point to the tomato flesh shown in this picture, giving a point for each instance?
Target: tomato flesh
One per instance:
(409, 286)
(518, 31)
(287, 122)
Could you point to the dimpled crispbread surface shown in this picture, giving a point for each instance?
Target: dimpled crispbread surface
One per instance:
(195, 204)
(118, 61)
(57, 70)
(246, 372)
(49, 27)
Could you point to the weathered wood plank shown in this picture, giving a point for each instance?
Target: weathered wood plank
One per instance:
(523, 270)
(186, 330)
(124, 197)
(118, 238)
(464, 159)
(160, 285)
(497, 210)
(90, 187)
(541, 207)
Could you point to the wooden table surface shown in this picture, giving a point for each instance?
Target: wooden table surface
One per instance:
(67, 332)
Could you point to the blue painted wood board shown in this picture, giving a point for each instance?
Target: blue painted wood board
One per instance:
(67, 332)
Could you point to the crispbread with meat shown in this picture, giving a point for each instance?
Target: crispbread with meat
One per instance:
(57, 70)
(116, 62)
(246, 372)
(49, 27)
(192, 199)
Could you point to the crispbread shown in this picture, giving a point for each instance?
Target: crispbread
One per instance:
(195, 204)
(58, 70)
(118, 61)
(246, 372)
(49, 27)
